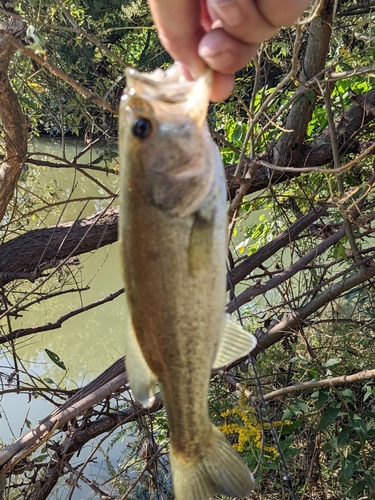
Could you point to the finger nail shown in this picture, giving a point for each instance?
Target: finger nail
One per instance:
(227, 10)
(216, 58)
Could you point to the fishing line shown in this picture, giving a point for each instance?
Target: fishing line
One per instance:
(286, 476)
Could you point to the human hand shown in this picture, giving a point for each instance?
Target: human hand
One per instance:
(221, 34)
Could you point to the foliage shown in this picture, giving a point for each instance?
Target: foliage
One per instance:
(295, 141)
(92, 42)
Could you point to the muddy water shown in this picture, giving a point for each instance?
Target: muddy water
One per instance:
(86, 343)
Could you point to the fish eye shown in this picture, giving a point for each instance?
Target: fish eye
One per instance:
(142, 128)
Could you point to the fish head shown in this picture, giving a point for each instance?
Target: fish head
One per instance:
(165, 146)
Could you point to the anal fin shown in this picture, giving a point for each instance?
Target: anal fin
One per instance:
(235, 343)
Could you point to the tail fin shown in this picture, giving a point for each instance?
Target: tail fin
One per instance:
(219, 471)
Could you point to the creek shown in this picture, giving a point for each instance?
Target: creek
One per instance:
(87, 343)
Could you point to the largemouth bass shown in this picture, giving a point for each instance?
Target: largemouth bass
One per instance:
(173, 229)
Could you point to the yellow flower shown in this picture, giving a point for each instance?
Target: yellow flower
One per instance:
(247, 427)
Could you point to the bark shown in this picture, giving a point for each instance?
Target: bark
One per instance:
(327, 382)
(246, 266)
(26, 256)
(14, 124)
(288, 147)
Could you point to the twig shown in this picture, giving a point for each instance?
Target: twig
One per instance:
(311, 384)
(78, 29)
(315, 13)
(339, 170)
(23, 332)
(23, 446)
(54, 70)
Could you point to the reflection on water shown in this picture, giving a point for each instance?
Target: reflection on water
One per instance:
(86, 343)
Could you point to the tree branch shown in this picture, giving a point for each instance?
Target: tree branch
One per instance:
(289, 235)
(259, 289)
(54, 70)
(312, 384)
(44, 248)
(24, 332)
(290, 323)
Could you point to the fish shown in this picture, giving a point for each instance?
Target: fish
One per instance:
(173, 241)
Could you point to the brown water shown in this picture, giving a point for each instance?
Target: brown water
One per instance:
(87, 343)
(90, 341)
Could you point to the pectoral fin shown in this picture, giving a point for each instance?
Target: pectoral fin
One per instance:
(141, 379)
(235, 343)
(200, 245)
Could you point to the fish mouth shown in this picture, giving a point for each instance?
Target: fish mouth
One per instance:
(170, 93)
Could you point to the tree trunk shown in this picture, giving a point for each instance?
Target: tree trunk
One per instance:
(288, 147)
(26, 256)
(14, 124)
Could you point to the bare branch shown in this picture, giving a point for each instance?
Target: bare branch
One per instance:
(24, 332)
(327, 382)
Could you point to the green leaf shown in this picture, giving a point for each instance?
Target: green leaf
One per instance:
(348, 468)
(97, 160)
(310, 94)
(287, 414)
(339, 251)
(360, 426)
(323, 397)
(270, 465)
(328, 417)
(357, 488)
(291, 452)
(41, 458)
(343, 437)
(302, 406)
(370, 481)
(347, 394)
(237, 133)
(332, 362)
(368, 391)
(330, 445)
(49, 380)
(286, 443)
(295, 359)
(56, 359)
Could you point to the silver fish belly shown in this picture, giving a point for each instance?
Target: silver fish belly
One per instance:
(173, 243)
